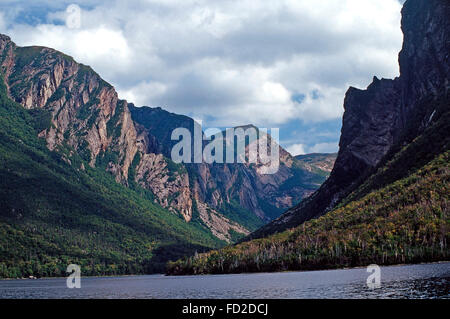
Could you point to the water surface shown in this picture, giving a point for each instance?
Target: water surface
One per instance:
(410, 281)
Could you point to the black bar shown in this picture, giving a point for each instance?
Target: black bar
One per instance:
(223, 308)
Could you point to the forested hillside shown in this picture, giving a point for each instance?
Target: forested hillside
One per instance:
(405, 222)
(53, 214)
(387, 198)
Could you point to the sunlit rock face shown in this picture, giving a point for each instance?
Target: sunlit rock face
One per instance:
(133, 144)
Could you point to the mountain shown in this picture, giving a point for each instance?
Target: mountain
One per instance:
(322, 163)
(87, 177)
(134, 143)
(404, 222)
(55, 211)
(386, 116)
(387, 198)
(238, 192)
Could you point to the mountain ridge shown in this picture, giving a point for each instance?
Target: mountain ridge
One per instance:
(388, 114)
(87, 118)
(53, 212)
(387, 198)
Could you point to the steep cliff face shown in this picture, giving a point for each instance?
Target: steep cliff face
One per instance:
(86, 113)
(424, 59)
(55, 209)
(134, 144)
(389, 113)
(170, 187)
(87, 117)
(239, 191)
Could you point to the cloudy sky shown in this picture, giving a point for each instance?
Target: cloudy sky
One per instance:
(284, 63)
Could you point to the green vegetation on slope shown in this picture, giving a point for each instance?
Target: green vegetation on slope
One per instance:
(53, 213)
(402, 160)
(405, 222)
(304, 177)
(234, 211)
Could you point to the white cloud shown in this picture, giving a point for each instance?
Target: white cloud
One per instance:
(324, 148)
(301, 149)
(143, 92)
(296, 149)
(215, 22)
(2, 22)
(231, 62)
(106, 50)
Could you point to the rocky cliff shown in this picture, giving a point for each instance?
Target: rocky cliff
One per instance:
(86, 114)
(387, 115)
(239, 191)
(134, 145)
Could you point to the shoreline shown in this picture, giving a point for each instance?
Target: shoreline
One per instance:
(242, 273)
(311, 270)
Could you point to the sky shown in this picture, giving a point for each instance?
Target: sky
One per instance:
(276, 64)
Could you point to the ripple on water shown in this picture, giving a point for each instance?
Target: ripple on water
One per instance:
(410, 281)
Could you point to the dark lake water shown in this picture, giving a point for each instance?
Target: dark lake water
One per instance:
(411, 281)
